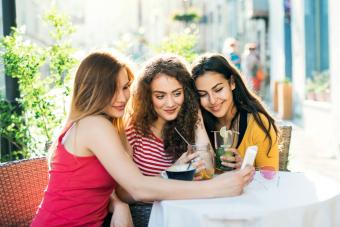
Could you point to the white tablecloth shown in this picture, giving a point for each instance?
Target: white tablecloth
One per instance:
(295, 199)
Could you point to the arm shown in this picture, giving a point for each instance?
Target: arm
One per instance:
(103, 141)
(124, 195)
(201, 135)
(121, 215)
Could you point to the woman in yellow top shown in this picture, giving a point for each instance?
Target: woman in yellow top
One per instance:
(226, 101)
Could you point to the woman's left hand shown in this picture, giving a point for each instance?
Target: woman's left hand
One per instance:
(232, 161)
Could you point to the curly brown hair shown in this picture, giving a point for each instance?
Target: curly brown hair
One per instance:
(143, 113)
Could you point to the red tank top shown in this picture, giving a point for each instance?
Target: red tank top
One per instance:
(78, 191)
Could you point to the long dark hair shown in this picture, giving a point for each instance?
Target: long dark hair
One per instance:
(244, 100)
(143, 113)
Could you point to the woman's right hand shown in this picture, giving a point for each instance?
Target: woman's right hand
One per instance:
(232, 183)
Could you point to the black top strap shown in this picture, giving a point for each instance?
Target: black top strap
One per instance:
(242, 126)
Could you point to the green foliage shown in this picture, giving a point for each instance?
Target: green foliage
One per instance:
(181, 44)
(12, 128)
(319, 82)
(60, 23)
(42, 92)
(187, 17)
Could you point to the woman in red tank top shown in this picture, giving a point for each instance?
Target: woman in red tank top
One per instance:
(91, 155)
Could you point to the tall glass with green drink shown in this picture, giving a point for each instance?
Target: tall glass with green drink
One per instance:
(223, 141)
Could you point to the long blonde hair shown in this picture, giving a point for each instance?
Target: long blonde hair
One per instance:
(93, 89)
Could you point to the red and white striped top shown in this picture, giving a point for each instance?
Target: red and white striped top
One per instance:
(148, 152)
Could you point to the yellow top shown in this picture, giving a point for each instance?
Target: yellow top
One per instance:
(255, 136)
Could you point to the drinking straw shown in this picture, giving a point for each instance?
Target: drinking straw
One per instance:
(182, 137)
(186, 143)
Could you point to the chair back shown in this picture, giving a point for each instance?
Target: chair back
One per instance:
(140, 213)
(283, 144)
(22, 185)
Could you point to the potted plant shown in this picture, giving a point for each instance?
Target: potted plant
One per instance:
(285, 99)
(318, 87)
(322, 89)
(310, 89)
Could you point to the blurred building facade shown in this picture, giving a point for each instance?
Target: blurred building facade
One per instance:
(298, 39)
(98, 23)
(103, 23)
(304, 40)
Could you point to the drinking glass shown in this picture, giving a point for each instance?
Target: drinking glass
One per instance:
(268, 175)
(204, 154)
(223, 141)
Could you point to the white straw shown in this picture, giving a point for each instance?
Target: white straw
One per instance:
(182, 136)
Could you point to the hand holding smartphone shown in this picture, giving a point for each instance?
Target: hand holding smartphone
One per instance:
(249, 157)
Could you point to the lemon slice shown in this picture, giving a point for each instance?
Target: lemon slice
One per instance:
(224, 132)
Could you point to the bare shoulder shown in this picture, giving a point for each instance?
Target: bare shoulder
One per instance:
(94, 120)
(96, 125)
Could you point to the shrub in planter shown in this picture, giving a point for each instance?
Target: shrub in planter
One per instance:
(285, 99)
(319, 86)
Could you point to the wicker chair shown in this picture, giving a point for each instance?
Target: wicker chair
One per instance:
(283, 143)
(21, 189)
(140, 213)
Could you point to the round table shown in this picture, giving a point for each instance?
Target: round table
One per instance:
(290, 199)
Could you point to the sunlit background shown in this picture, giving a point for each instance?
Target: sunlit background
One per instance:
(297, 44)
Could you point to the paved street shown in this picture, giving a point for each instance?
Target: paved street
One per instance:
(307, 155)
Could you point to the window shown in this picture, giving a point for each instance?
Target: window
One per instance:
(317, 50)
(288, 39)
(316, 36)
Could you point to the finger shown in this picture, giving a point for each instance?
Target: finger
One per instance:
(247, 170)
(192, 156)
(228, 159)
(238, 158)
(229, 164)
(246, 179)
(252, 178)
(200, 168)
(198, 163)
(189, 148)
(249, 177)
(198, 178)
(238, 165)
(234, 150)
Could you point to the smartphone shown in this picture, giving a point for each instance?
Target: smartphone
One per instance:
(249, 157)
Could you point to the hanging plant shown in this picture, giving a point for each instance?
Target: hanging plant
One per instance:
(189, 16)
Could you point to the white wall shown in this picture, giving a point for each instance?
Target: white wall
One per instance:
(216, 32)
(334, 50)
(276, 41)
(298, 55)
(99, 24)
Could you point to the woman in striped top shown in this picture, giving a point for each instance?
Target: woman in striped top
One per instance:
(164, 99)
